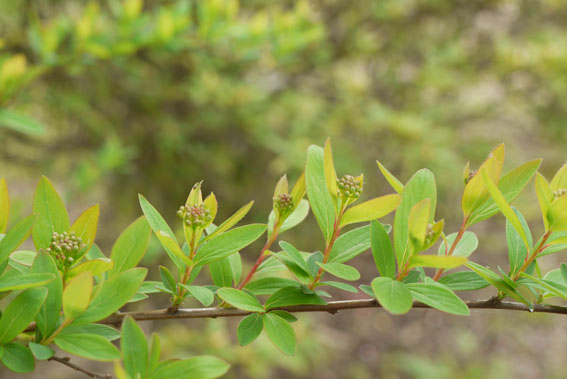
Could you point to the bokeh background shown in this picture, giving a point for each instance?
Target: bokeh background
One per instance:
(110, 98)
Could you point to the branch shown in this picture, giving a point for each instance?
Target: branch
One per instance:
(92, 374)
(331, 307)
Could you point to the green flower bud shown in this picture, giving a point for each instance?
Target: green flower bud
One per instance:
(349, 187)
(64, 248)
(196, 216)
(283, 203)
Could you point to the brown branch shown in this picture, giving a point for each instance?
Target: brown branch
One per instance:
(331, 307)
(92, 374)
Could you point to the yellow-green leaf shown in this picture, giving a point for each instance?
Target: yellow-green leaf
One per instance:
(86, 225)
(282, 186)
(329, 166)
(94, 266)
(371, 209)
(559, 181)
(437, 261)
(77, 295)
(557, 214)
(212, 205)
(4, 205)
(505, 208)
(475, 191)
(51, 214)
(418, 220)
(173, 246)
(544, 196)
(195, 196)
(231, 221)
(298, 190)
(394, 182)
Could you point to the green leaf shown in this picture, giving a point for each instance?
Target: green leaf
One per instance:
(20, 312)
(157, 223)
(240, 299)
(320, 199)
(294, 255)
(559, 180)
(77, 295)
(105, 331)
(249, 329)
(21, 123)
(350, 245)
(228, 243)
(231, 221)
(15, 236)
(90, 346)
(134, 349)
(48, 316)
(438, 297)
(463, 281)
(199, 367)
(371, 209)
(13, 280)
(285, 315)
(564, 272)
(421, 186)
(497, 282)
(4, 205)
(113, 294)
(23, 257)
(171, 245)
(341, 271)
(51, 214)
(41, 352)
(504, 207)
(517, 251)
(392, 180)
(339, 285)
(86, 226)
(392, 295)
(511, 184)
(292, 296)
(437, 261)
(382, 250)
(167, 279)
(130, 246)
(17, 358)
(155, 351)
(204, 295)
(551, 287)
(221, 272)
(280, 333)
(294, 219)
(267, 286)
(466, 246)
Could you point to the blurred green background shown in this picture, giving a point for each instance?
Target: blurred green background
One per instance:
(111, 98)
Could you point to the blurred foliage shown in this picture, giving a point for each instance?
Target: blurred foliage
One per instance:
(118, 97)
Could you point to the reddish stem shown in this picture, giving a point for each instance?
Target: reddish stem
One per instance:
(530, 258)
(262, 256)
(453, 246)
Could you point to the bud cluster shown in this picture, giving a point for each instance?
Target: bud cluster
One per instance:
(472, 173)
(196, 216)
(65, 247)
(349, 187)
(560, 192)
(283, 203)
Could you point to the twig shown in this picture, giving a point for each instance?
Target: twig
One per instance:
(331, 307)
(92, 374)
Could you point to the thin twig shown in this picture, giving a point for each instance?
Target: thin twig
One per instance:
(67, 362)
(331, 307)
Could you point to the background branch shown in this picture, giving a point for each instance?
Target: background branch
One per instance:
(67, 362)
